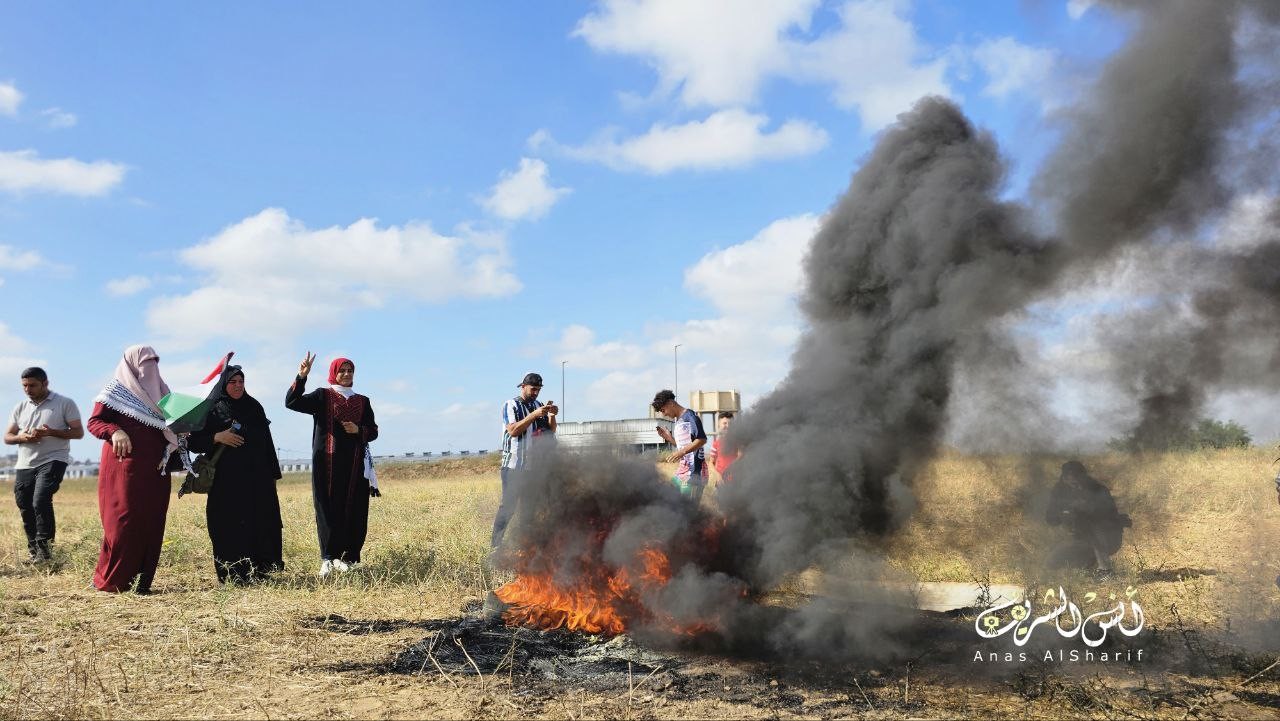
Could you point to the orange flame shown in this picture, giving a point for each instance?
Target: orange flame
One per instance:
(600, 602)
(536, 602)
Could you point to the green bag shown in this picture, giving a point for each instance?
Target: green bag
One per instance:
(205, 466)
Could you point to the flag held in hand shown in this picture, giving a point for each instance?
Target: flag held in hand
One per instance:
(185, 409)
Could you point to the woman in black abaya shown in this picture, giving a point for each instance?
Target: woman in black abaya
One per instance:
(341, 479)
(243, 510)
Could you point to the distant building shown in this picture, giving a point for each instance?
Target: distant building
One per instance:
(709, 404)
(75, 469)
(82, 469)
(89, 469)
(635, 434)
(295, 465)
(639, 434)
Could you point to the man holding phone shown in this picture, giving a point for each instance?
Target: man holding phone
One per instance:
(526, 422)
(689, 439)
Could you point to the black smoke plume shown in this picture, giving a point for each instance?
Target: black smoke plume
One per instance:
(917, 269)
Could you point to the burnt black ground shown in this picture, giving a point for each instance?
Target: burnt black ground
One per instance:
(1182, 668)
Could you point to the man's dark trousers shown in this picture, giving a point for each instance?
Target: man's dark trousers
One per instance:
(33, 489)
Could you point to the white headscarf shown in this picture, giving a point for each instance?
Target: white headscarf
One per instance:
(138, 375)
(139, 371)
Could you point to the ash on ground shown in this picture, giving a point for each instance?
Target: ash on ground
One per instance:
(549, 662)
(476, 644)
(540, 666)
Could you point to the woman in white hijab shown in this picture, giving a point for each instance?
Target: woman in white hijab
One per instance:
(133, 478)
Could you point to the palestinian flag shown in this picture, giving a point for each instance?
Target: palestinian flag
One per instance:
(185, 408)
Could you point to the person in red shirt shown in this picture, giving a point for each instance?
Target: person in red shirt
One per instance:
(719, 457)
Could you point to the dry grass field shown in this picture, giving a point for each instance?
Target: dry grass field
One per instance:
(1201, 555)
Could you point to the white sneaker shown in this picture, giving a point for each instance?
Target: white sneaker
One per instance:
(340, 565)
(326, 567)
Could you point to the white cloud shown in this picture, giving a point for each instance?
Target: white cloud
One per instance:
(10, 98)
(15, 353)
(719, 53)
(745, 347)
(389, 409)
(524, 193)
(132, 285)
(874, 62)
(10, 342)
(269, 277)
(1077, 8)
(1014, 68)
(615, 395)
(25, 170)
(400, 385)
(21, 260)
(58, 118)
(730, 138)
(759, 277)
(578, 346)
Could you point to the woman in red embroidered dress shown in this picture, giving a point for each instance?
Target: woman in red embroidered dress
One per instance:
(133, 478)
(343, 428)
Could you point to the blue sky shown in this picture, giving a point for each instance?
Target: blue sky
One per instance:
(455, 194)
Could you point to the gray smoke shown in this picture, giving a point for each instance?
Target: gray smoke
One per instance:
(917, 257)
(582, 517)
(1145, 163)
(919, 266)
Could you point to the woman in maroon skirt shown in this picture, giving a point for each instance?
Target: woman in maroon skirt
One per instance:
(133, 478)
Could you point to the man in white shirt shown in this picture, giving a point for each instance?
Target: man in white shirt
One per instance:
(42, 427)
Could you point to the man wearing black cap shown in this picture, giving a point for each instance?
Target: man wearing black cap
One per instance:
(526, 421)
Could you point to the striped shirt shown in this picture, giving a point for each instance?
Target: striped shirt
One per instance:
(692, 467)
(515, 449)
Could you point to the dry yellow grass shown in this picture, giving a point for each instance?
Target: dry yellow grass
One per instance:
(1209, 510)
(196, 649)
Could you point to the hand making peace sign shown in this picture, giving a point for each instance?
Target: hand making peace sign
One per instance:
(304, 368)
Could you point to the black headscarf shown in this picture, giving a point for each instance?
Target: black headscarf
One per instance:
(255, 428)
(246, 409)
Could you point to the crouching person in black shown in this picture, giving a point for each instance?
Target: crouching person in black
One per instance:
(1085, 507)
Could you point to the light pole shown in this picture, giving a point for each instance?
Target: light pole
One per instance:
(562, 391)
(675, 352)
